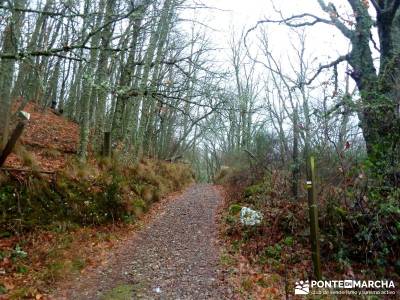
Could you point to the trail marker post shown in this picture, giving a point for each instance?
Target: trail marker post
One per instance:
(107, 144)
(24, 119)
(313, 213)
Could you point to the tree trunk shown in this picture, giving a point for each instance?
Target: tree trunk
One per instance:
(102, 74)
(125, 79)
(379, 119)
(157, 33)
(87, 86)
(10, 42)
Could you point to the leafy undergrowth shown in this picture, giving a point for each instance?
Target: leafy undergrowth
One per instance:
(266, 260)
(33, 263)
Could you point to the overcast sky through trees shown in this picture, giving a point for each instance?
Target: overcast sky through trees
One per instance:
(324, 41)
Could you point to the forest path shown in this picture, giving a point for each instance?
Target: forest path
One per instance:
(175, 256)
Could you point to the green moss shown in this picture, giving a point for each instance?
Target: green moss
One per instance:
(272, 252)
(227, 260)
(120, 292)
(85, 195)
(247, 283)
(21, 269)
(288, 241)
(53, 271)
(3, 290)
(254, 190)
(261, 282)
(234, 209)
(139, 206)
(231, 220)
(20, 293)
(78, 264)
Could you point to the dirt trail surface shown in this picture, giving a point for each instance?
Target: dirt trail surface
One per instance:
(175, 256)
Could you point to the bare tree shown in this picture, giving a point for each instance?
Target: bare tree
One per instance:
(379, 112)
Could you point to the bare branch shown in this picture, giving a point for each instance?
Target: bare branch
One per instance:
(289, 21)
(68, 48)
(46, 13)
(327, 66)
(331, 10)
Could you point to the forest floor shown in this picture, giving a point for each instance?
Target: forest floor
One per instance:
(47, 143)
(175, 255)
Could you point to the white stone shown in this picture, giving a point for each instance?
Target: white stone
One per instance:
(25, 115)
(250, 217)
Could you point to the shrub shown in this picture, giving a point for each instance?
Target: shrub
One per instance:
(253, 190)
(235, 209)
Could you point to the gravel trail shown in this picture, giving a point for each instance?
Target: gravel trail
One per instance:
(175, 256)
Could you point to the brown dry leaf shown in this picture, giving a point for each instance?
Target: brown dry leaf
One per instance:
(258, 277)
(271, 290)
(6, 262)
(8, 285)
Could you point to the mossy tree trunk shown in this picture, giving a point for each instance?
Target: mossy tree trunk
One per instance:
(11, 36)
(87, 86)
(102, 72)
(296, 160)
(379, 89)
(126, 77)
(380, 92)
(157, 33)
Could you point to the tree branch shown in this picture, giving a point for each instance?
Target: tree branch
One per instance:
(376, 6)
(46, 13)
(330, 9)
(327, 66)
(68, 48)
(288, 21)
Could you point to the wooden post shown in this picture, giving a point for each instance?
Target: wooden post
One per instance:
(313, 212)
(24, 116)
(296, 163)
(107, 144)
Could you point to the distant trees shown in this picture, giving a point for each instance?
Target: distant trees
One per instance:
(246, 90)
(113, 66)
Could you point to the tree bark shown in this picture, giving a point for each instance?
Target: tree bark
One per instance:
(10, 42)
